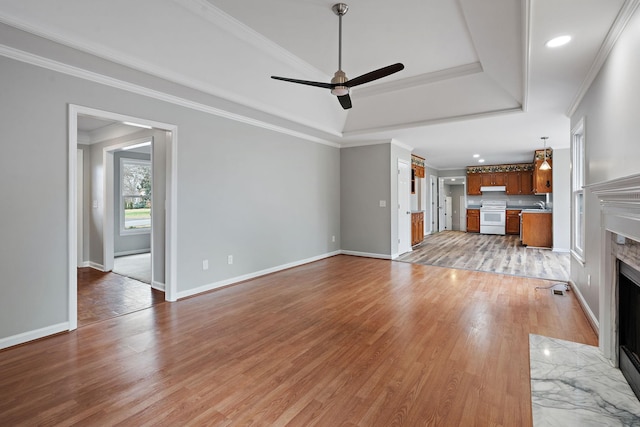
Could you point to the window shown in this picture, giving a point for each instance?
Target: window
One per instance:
(135, 196)
(577, 183)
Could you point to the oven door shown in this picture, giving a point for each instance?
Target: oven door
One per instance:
(492, 221)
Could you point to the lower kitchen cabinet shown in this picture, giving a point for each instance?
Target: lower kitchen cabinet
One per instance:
(473, 220)
(417, 227)
(537, 229)
(513, 221)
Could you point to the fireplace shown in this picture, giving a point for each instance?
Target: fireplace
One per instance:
(629, 324)
(619, 240)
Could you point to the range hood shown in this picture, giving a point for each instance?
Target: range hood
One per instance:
(487, 188)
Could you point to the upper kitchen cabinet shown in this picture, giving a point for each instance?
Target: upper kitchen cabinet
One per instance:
(542, 179)
(516, 178)
(474, 182)
(493, 179)
(520, 180)
(417, 170)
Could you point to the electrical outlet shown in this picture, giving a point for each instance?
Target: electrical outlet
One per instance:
(230, 259)
(383, 203)
(588, 280)
(333, 238)
(205, 264)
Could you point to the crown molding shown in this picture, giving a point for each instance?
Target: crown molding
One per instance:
(135, 63)
(70, 70)
(352, 144)
(427, 122)
(402, 145)
(620, 23)
(420, 80)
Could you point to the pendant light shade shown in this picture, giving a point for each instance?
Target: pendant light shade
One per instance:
(545, 166)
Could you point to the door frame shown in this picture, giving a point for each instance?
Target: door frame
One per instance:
(433, 181)
(404, 242)
(170, 202)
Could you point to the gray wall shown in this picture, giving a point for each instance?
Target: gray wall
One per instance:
(610, 109)
(455, 191)
(561, 199)
(267, 198)
(365, 180)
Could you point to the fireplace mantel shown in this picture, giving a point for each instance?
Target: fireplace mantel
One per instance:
(619, 215)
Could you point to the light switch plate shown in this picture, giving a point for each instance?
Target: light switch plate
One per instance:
(383, 203)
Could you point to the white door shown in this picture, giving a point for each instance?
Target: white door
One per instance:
(441, 205)
(448, 213)
(434, 205)
(404, 207)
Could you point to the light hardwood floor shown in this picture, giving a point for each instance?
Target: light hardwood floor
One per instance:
(342, 341)
(490, 253)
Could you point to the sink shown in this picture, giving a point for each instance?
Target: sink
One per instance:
(537, 210)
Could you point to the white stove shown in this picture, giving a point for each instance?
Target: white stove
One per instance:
(493, 215)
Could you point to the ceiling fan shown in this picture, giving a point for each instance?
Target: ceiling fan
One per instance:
(340, 84)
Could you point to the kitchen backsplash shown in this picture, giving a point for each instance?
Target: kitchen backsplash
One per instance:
(512, 201)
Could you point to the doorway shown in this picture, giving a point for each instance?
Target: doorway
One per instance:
(102, 204)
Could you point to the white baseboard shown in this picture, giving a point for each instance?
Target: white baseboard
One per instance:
(157, 285)
(96, 266)
(232, 280)
(84, 264)
(33, 335)
(132, 252)
(366, 254)
(585, 307)
(561, 250)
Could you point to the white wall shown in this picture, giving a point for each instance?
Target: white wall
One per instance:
(610, 109)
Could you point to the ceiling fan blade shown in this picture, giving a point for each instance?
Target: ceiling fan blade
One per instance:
(345, 101)
(375, 75)
(306, 82)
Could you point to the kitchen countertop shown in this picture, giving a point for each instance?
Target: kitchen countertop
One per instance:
(537, 210)
(514, 208)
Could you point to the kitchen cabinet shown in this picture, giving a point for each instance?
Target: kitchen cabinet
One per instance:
(473, 220)
(494, 178)
(417, 227)
(537, 229)
(520, 182)
(513, 221)
(542, 179)
(474, 182)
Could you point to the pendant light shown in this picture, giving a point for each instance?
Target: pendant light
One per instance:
(545, 166)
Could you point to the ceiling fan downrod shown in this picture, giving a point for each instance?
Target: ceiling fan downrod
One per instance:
(340, 76)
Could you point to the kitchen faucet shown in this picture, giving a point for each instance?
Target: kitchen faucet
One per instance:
(541, 204)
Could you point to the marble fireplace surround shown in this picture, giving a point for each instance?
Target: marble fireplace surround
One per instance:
(619, 216)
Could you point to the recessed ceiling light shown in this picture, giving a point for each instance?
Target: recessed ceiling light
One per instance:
(558, 41)
(475, 156)
(480, 160)
(453, 179)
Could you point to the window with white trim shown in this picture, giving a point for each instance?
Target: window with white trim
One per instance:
(577, 184)
(135, 196)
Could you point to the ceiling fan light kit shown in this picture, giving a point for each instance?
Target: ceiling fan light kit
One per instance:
(340, 85)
